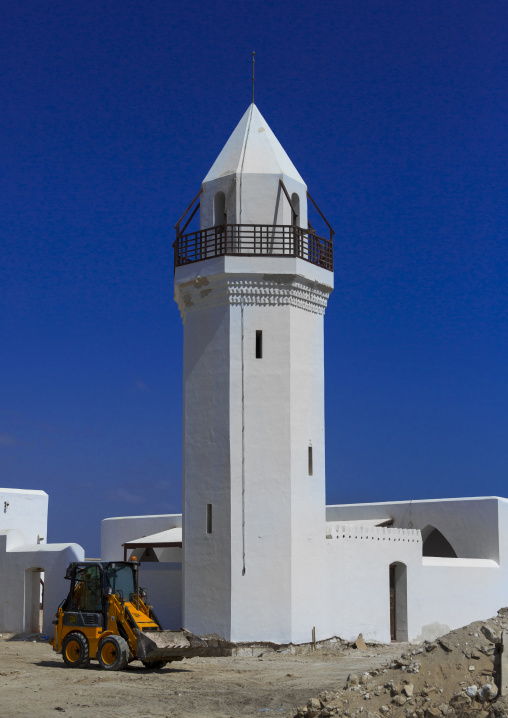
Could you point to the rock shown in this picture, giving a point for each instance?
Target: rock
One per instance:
(487, 650)
(313, 707)
(325, 697)
(459, 701)
(471, 668)
(414, 667)
(408, 690)
(328, 712)
(364, 678)
(499, 709)
(432, 712)
(416, 651)
(404, 660)
(488, 692)
(301, 711)
(395, 689)
(352, 680)
(384, 709)
(427, 691)
(471, 691)
(335, 703)
(366, 697)
(444, 708)
(430, 647)
(399, 700)
(445, 645)
(490, 635)
(360, 643)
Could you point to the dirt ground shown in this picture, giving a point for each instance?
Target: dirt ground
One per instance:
(35, 682)
(456, 675)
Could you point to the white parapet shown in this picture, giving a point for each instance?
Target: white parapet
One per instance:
(345, 531)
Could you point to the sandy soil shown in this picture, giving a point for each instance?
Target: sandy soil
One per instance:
(397, 680)
(35, 682)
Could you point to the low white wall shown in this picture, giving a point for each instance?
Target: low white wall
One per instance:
(470, 524)
(355, 592)
(15, 591)
(449, 593)
(119, 530)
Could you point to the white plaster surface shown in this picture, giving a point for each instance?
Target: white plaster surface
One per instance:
(25, 557)
(443, 593)
(248, 422)
(248, 171)
(25, 517)
(15, 590)
(252, 148)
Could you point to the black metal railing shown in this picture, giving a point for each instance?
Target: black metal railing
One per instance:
(253, 240)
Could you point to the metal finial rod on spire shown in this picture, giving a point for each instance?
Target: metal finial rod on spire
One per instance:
(253, 64)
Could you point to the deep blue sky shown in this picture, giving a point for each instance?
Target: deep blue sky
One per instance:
(393, 111)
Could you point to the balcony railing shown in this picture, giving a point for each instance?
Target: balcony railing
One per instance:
(253, 240)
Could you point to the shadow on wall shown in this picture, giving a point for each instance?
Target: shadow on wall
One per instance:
(436, 544)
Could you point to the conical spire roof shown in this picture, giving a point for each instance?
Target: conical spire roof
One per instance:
(253, 148)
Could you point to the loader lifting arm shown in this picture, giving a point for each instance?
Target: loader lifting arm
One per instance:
(106, 617)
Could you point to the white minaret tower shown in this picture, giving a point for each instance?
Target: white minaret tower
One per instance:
(252, 286)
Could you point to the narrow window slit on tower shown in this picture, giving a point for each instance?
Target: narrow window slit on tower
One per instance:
(310, 461)
(259, 344)
(209, 518)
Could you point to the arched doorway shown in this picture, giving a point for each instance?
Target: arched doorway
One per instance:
(398, 602)
(34, 600)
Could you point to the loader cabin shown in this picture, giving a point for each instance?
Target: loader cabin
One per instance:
(92, 582)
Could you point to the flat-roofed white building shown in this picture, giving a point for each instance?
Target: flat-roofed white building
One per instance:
(32, 571)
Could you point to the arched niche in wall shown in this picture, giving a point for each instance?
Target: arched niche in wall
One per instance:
(295, 201)
(436, 544)
(219, 208)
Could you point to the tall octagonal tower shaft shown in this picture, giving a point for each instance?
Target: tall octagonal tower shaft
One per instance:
(252, 286)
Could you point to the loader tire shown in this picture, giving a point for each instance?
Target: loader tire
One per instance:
(154, 665)
(75, 651)
(113, 653)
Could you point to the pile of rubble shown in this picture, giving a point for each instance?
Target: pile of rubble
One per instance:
(456, 675)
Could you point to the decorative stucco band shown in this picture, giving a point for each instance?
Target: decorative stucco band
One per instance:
(348, 531)
(267, 290)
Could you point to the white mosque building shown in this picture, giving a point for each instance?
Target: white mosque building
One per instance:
(257, 555)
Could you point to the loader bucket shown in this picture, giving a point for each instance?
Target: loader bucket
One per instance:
(168, 645)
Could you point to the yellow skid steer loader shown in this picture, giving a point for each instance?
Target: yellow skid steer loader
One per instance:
(106, 617)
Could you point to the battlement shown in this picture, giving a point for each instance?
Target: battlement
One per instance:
(345, 531)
